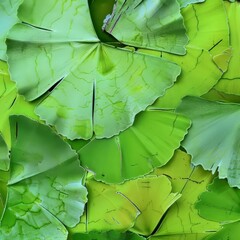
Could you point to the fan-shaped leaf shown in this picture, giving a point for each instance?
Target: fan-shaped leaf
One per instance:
(106, 210)
(148, 144)
(230, 82)
(45, 184)
(155, 25)
(103, 87)
(221, 204)
(182, 220)
(214, 139)
(204, 54)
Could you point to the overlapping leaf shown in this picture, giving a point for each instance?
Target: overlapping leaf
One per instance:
(214, 139)
(230, 82)
(182, 220)
(208, 55)
(45, 187)
(155, 25)
(11, 103)
(148, 144)
(221, 204)
(106, 210)
(137, 203)
(8, 17)
(103, 87)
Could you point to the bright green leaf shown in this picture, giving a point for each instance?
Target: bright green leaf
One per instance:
(221, 204)
(106, 210)
(204, 54)
(230, 82)
(11, 103)
(149, 24)
(45, 186)
(182, 220)
(153, 196)
(214, 139)
(148, 144)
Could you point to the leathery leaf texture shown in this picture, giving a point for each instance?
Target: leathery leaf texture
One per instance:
(44, 186)
(136, 205)
(91, 87)
(214, 138)
(148, 144)
(221, 204)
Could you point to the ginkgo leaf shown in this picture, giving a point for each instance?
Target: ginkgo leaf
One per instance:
(230, 82)
(11, 103)
(153, 196)
(148, 144)
(221, 204)
(149, 24)
(137, 203)
(8, 17)
(214, 139)
(104, 87)
(45, 187)
(106, 209)
(111, 235)
(182, 220)
(209, 54)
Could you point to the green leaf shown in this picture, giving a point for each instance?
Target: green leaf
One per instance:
(106, 209)
(11, 103)
(182, 220)
(204, 54)
(45, 187)
(154, 25)
(8, 17)
(230, 82)
(221, 204)
(103, 87)
(113, 235)
(213, 141)
(148, 144)
(153, 196)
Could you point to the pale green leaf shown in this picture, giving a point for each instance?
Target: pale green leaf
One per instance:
(45, 187)
(103, 87)
(148, 144)
(8, 17)
(148, 24)
(214, 139)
